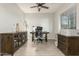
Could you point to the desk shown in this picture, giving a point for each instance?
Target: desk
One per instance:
(33, 33)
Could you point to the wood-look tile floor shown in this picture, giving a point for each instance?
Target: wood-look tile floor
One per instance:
(39, 49)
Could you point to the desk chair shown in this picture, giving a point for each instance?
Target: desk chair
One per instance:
(38, 34)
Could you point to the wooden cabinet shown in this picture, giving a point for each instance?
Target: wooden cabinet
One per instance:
(69, 45)
(19, 39)
(10, 42)
(6, 43)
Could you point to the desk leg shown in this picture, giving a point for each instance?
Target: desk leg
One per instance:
(32, 36)
(46, 37)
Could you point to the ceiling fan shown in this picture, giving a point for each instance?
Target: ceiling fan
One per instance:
(39, 6)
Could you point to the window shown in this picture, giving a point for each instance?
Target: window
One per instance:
(68, 19)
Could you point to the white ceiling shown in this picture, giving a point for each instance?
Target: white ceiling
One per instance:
(53, 7)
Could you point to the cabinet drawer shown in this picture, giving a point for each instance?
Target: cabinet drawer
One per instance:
(61, 38)
(62, 42)
(63, 48)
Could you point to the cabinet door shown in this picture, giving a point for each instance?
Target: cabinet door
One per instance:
(62, 44)
(73, 46)
(7, 43)
(0, 44)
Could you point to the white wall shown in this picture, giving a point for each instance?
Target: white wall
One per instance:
(40, 19)
(10, 14)
(77, 16)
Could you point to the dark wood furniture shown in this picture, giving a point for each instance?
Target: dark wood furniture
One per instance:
(10, 42)
(33, 34)
(69, 45)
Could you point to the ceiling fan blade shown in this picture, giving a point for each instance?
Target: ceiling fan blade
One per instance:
(33, 6)
(45, 7)
(42, 3)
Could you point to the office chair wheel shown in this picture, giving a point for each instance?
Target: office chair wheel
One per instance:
(39, 40)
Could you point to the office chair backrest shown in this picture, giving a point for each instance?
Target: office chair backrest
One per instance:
(38, 32)
(39, 28)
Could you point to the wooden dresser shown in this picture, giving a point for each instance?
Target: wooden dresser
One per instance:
(69, 45)
(10, 42)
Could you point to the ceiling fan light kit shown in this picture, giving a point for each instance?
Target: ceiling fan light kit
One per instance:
(39, 6)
